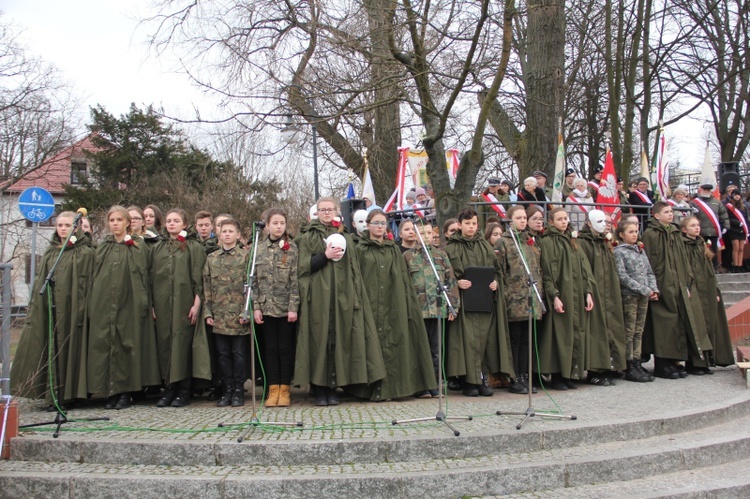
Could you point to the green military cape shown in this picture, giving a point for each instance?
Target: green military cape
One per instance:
(398, 319)
(71, 281)
(675, 318)
(606, 318)
(176, 278)
(714, 313)
(564, 342)
(337, 343)
(121, 340)
(210, 245)
(477, 341)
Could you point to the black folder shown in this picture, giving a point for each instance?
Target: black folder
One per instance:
(479, 297)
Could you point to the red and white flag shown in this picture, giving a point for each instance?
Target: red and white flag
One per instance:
(396, 201)
(607, 193)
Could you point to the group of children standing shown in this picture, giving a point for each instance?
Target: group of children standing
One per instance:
(159, 304)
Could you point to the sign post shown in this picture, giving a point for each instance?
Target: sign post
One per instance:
(36, 205)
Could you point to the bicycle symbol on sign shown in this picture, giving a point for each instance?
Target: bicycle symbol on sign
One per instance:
(36, 214)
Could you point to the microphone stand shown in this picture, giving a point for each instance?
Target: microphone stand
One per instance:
(533, 292)
(254, 419)
(61, 417)
(442, 290)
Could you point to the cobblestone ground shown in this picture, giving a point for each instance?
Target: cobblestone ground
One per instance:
(355, 419)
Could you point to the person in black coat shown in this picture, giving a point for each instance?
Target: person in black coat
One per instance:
(532, 192)
(642, 199)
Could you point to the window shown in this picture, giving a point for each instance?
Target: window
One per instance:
(28, 267)
(77, 172)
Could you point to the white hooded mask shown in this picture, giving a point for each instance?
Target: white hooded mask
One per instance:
(360, 221)
(598, 221)
(336, 241)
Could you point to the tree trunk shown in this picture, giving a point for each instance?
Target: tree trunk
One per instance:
(544, 78)
(382, 146)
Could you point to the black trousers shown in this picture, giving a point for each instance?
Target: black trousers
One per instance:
(278, 356)
(230, 353)
(519, 345)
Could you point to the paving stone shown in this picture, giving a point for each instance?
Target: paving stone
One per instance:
(355, 450)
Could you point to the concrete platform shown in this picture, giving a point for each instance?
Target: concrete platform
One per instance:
(623, 437)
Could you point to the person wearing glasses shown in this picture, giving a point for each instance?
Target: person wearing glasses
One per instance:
(337, 344)
(397, 315)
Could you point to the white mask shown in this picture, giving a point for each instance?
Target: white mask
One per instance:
(598, 221)
(313, 212)
(337, 241)
(360, 221)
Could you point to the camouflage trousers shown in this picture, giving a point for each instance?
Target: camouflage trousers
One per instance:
(634, 310)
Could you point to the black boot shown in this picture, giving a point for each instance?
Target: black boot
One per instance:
(112, 401)
(238, 396)
(182, 399)
(642, 370)
(226, 394)
(169, 393)
(321, 396)
(517, 386)
(484, 388)
(664, 369)
(470, 390)
(525, 381)
(558, 382)
(124, 401)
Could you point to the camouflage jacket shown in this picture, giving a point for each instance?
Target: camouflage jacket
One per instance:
(514, 275)
(424, 283)
(634, 269)
(223, 289)
(275, 289)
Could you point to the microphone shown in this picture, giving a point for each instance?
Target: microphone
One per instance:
(82, 212)
(260, 225)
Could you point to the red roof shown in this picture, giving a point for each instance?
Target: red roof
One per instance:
(54, 173)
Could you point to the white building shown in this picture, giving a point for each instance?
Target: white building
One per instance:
(69, 166)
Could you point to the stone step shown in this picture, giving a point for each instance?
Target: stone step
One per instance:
(265, 447)
(733, 278)
(725, 480)
(732, 297)
(501, 472)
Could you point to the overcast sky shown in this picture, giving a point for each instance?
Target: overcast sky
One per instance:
(101, 50)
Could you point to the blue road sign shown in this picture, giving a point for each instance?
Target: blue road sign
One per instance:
(36, 204)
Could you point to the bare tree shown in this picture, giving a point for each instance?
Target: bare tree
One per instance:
(37, 109)
(717, 65)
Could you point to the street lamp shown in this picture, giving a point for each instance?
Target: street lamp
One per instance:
(291, 135)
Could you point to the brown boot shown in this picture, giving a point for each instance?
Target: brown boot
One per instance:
(284, 396)
(273, 396)
(494, 381)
